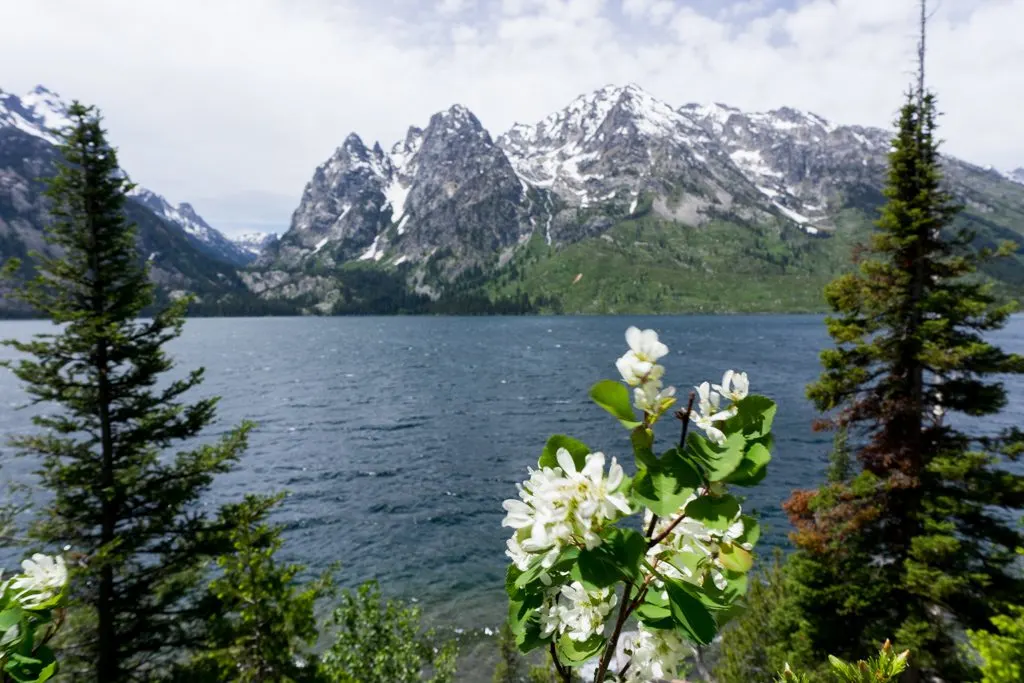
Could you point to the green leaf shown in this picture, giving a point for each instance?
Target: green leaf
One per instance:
(577, 449)
(522, 609)
(754, 417)
(530, 579)
(47, 666)
(10, 617)
(717, 462)
(735, 558)
(642, 439)
(666, 485)
(751, 531)
(715, 513)
(722, 600)
(754, 466)
(618, 557)
(654, 611)
(512, 574)
(530, 639)
(573, 653)
(690, 614)
(614, 397)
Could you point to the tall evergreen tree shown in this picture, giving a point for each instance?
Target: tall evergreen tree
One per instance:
(125, 505)
(919, 544)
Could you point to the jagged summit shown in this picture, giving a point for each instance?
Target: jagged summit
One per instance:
(39, 112)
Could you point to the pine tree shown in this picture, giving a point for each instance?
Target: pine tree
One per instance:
(262, 620)
(126, 506)
(763, 638)
(911, 548)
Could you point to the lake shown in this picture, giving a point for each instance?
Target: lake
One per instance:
(399, 437)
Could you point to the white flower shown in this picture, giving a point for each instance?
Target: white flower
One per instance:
(645, 344)
(43, 577)
(708, 413)
(701, 542)
(639, 364)
(578, 613)
(649, 397)
(735, 386)
(655, 654)
(560, 506)
(520, 558)
(636, 371)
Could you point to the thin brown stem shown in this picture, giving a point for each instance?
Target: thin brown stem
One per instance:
(664, 534)
(613, 643)
(564, 672)
(685, 418)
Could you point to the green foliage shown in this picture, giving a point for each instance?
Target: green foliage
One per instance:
(683, 574)
(1001, 648)
(887, 667)
(262, 619)
(761, 640)
(124, 505)
(915, 534)
(382, 641)
(510, 663)
(32, 611)
(840, 460)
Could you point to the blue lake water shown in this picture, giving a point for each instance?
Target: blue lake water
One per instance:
(398, 438)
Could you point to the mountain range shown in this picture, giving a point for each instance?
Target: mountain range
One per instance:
(185, 253)
(618, 202)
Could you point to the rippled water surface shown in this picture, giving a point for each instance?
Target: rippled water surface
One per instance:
(398, 438)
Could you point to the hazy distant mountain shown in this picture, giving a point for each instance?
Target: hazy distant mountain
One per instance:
(184, 252)
(255, 243)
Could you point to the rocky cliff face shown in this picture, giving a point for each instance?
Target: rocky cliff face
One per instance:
(445, 193)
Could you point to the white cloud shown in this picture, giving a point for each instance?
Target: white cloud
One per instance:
(206, 98)
(448, 7)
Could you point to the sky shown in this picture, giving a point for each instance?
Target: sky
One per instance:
(231, 104)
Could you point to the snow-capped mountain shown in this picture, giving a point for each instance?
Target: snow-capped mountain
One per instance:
(1016, 175)
(444, 187)
(255, 243)
(41, 112)
(207, 238)
(38, 113)
(449, 197)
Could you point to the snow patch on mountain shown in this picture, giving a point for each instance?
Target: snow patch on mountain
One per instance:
(39, 113)
(254, 243)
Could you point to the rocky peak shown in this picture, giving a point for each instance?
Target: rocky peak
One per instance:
(1016, 175)
(39, 113)
(607, 145)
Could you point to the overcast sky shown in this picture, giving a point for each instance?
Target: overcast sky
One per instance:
(231, 104)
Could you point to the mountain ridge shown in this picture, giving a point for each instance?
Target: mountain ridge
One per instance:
(184, 253)
(450, 199)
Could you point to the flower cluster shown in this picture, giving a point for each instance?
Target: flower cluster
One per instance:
(43, 578)
(581, 615)
(691, 551)
(639, 369)
(576, 562)
(734, 387)
(655, 654)
(561, 506)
